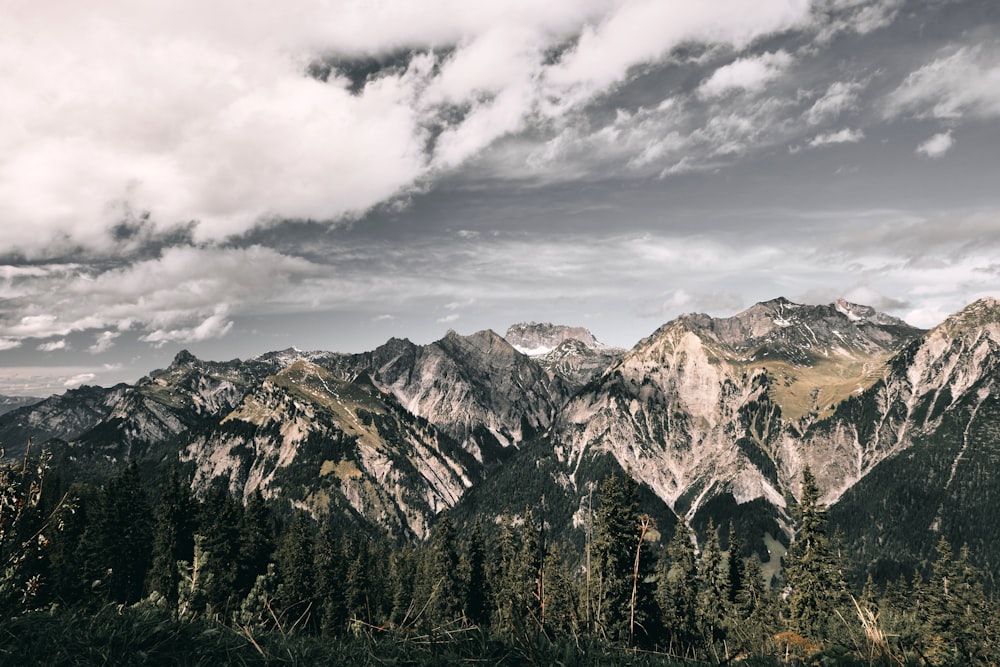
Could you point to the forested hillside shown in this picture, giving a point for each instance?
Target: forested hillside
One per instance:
(127, 572)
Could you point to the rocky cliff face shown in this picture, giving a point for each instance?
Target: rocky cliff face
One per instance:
(535, 339)
(936, 417)
(478, 389)
(576, 363)
(328, 445)
(570, 353)
(63, 417)
(952, 367)
(8, 403)
(709, 406)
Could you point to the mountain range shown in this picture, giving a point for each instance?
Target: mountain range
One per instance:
(715, 417)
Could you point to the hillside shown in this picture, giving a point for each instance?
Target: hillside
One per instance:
(715, 418)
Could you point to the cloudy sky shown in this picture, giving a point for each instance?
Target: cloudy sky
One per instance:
(238, 177)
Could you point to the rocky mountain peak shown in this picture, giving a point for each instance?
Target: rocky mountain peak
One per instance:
(538, 338)
(184, 358)
(979, 313)
(801, 333)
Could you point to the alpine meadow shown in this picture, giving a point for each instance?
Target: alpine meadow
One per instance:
(577, 333)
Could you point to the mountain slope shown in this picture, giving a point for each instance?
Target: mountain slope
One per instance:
(62, 417)
(715, 417)
(707, 406)
(938, 411)
(330, 445)
(478, 389)
(8, 403)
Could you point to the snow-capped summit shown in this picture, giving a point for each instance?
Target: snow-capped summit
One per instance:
(539, 338)
(572, 353)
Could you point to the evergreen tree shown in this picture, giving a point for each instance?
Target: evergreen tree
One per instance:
(617, 540)
(330, 573)
(173, 535)
(294, 565)
(195, 580)
(815, 593)
(402, 571)
(477, 604)
(735, 565)
(713, 583)
(957, 627)
(257, 612)
(503, 579)
(559, 610)
(443, 590)
(527, 574)
(219, 521)
(256, 545)
(677, 591)
(358, 584)
(754, 616)
(116, 545)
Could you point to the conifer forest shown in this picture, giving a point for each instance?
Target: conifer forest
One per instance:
(137, 570)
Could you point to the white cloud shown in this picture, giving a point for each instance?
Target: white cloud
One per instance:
(678, 299)
(840, 97)
(455, 305)
(448, 318)
(52, 346)
(104, 342)
(203, 114)
(867, 296)
(843, 136)
(937, 145)
(182, 295)
(77, 380)
(750, 74)
(966, 83)
(860, 16)
(215, 325)
(9, 344)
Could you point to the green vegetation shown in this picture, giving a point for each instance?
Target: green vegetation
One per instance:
(128, 579)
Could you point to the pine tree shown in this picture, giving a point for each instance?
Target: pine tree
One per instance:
(330, 574)
(957, 626)
(617, 535)
(443, 588)
(173, 535)
(527, 575)
(358, 584)
(504, 579)
(477, 604)
(294, 565)
(116, 544)
(256, 542)
(402, 570)
(560, 617)
(677, 591)
(713, 583)
(195, 580)
(754, 618)
(735, 565)
(815, 593)
(219, 520)
(256, 613)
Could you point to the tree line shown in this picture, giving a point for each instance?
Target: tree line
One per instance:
(216, 560)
